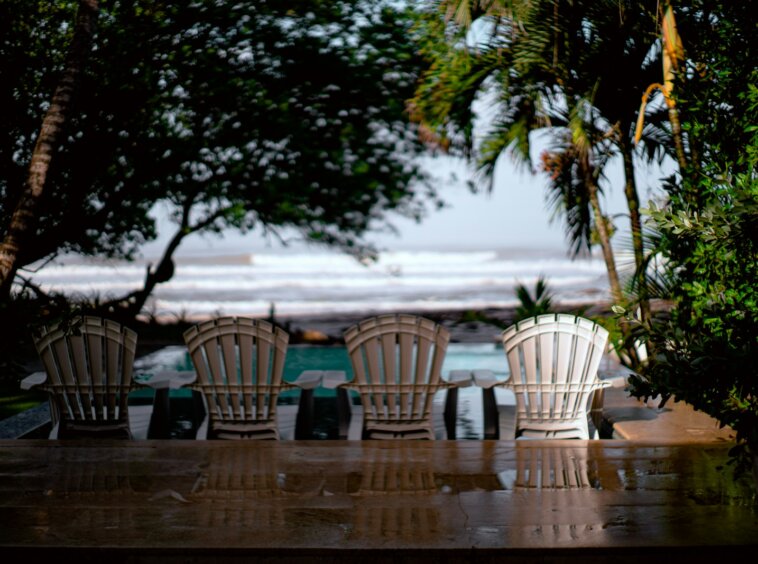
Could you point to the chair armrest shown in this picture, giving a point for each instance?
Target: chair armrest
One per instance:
(309, 379)
(485, 379)
(460, 378)
(33, 380)
(171, 379)
(333, 379)
(465, 378)
(615, 378)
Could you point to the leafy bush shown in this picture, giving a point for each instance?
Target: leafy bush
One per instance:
(706, 351)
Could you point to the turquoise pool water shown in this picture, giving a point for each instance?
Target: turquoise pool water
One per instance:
(460, 356)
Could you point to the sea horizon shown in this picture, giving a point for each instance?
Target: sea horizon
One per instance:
(236, 281)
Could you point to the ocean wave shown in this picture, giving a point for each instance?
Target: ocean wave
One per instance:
(335, 287)
(314, 283)
(198, 275)
(309, 307)
(317, 264)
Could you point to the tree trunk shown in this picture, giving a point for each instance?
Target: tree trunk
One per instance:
(635, 220)
(605, 243)
(602, 229)
(633, 203)
(676, 132)
(23, 219)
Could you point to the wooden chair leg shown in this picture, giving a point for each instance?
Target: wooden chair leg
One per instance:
(305, 416)
(489, 408)
(160, 420)
(343, 413)
(198, 409)
(451, 412)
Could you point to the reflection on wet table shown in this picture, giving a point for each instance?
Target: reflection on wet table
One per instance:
(180, 497)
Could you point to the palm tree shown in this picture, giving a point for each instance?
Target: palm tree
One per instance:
(573, 69)
(532, 306)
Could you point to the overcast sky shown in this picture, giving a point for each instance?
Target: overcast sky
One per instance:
(513, 215)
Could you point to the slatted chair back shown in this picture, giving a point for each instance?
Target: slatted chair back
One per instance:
(397, 362)
(89, 375)
(553, 361)
(239, 364)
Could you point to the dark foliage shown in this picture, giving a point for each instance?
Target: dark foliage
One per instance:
(706, 351)
(237, 114)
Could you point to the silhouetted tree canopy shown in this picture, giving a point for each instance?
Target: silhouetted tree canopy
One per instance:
(287, 113)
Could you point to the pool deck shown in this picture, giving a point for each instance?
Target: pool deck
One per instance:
(663, 494)
(340, 501)
(634, 420)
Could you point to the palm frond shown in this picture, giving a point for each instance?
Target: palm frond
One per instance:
(510, 133)
(529, 306)
(567, 194)
(444, 98)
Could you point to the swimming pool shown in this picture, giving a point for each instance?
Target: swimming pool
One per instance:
(460, 356)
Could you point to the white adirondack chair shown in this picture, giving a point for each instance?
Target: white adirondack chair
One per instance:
(397, 362)
(553, 362)
(88, 373)
(239, 364)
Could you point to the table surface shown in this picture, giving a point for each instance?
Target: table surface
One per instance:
(186, 496)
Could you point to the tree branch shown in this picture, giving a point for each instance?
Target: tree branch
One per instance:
(132, 303)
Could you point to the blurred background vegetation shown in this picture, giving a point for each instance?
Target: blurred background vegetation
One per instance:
(312, 114)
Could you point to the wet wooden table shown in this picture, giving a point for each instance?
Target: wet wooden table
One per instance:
(448, 501)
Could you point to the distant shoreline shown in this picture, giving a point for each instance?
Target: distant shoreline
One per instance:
(317, 285)
(465, 326)
(241, 255)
